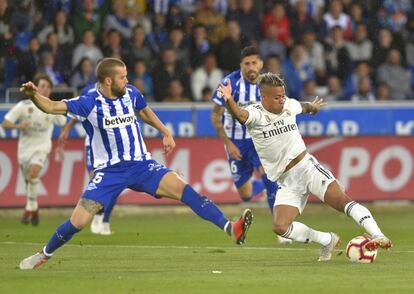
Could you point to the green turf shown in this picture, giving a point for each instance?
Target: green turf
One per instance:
(182, 254)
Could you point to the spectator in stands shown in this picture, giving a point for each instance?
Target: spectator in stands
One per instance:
(83, 74)
(7, 28)
(89, 18)
(158, 34)
(181, 45)
(356, 14)
(61, 27)
(272, 64)
(47, 66)
(278, 17)
(383, 46)
(360, 47)
(136, 11)
(248, 20)
(175, 17)
(61, 53)
(335, 91)
(335, 17)
(270, 45)
(169, 69)
(139, 48)
(362, 70)
(28, 61)
(207, 75)
(316, 53)
(309, 91)
(87, 49)
(302, 20)
(315, 8)
(176, 92)
(395, 76)
(382, 92)
(117, 20)
(206, 94)
(337, 57)
(113, 44)
(212, 20)
(199, 45)
(296, 70)
(142, 77)
(227, 52)
(364, 92)
(409, 46)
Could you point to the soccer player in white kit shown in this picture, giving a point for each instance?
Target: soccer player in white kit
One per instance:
(272, 125)
(34, 144)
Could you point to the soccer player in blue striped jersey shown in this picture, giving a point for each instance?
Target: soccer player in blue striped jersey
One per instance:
(120, 157)
(100, 222)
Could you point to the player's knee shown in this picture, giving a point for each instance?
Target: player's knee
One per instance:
(280, 228)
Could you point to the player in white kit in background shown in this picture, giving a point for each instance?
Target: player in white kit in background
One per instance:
(282, 152)
(34, 144)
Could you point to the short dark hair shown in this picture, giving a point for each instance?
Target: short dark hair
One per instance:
(249, 51)
(42, 76)
(105, 67)
(271, 79)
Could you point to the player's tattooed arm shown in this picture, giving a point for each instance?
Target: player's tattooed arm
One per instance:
(313, 107)
(237, 112)
(90, 206)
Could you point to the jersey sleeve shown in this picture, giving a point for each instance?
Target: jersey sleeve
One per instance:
(59, 120)
(139, 100)
(80, 107)
(254, 114)
(217, 97)
(15, 113)
(293, 105)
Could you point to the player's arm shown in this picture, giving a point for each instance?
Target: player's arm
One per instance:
(312, 107)
(43, 103)
(149, 117)
(215, 117)
(237, 112)
(10, 125)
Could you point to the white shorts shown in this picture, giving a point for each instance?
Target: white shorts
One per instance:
(38, 158)
(305, 178)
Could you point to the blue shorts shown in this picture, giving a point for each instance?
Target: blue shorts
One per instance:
(88, 160)
(108, 183)
(242, 170)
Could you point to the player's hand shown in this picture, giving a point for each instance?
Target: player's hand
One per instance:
(233, 151)
(168, 143)
(28, 89)
(63, 138)
(317, 104)
(24, 125)
(225, 90)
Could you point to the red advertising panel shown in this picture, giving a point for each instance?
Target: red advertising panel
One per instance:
(371, 168)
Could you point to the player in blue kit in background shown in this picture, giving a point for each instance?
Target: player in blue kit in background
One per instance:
(100, 222)
(120, 157)
(241, 154)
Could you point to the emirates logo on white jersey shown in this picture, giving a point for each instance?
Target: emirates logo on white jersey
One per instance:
(118, 121)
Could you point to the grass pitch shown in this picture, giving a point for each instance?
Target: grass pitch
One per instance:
(179, 253)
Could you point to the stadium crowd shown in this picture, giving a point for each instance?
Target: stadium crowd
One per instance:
(179, 50)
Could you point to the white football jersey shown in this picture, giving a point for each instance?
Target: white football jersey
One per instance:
(276, 137)
(37, 137)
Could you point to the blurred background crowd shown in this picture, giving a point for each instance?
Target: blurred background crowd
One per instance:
(179, 50)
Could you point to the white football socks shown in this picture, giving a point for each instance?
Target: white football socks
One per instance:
(302, 233)
(363, 217)
(31, 193)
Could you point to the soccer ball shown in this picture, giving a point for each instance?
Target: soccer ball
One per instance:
(356, 251)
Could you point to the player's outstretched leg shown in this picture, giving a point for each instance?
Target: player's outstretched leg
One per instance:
(62, 235)
(207, 209)
(363, 217)
(97, 223)
(106, 228)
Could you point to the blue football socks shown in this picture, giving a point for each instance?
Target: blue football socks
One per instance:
(203, 207)
(62, 235)
(271, 190)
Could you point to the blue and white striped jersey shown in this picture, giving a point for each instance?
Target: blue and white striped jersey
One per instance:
(244, 94)
(111, 125)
